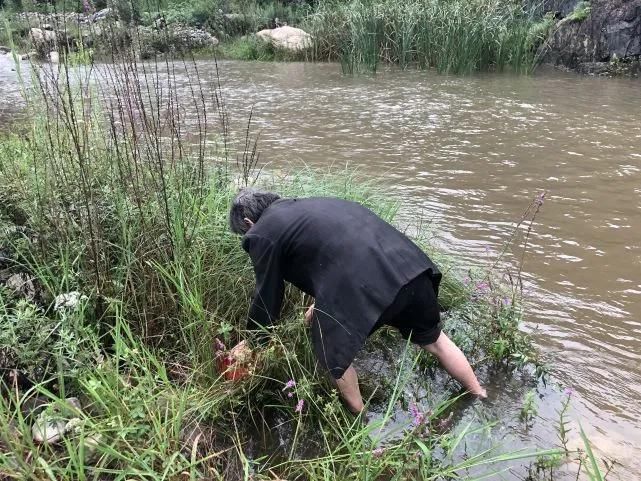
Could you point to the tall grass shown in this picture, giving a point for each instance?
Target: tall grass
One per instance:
(452, 36)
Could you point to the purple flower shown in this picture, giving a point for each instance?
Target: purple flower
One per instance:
(418, 416)
(219, 345)
(568, 391)
(300, 405)
(540, 198)
(378, 452)
(290, 384)
(87, 7)
(290, 394)
(507, 302)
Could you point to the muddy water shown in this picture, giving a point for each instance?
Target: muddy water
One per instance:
(469, 154)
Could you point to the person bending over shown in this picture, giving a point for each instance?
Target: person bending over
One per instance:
(362, 272)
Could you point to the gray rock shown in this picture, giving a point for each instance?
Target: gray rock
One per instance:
(288, 38)
(612, 31)
(46, 430)
(91, 444)
(193, 37)
(56, 421)
(103, 14)
(22, 285)
(30, 55)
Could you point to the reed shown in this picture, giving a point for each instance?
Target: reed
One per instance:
(450, 36)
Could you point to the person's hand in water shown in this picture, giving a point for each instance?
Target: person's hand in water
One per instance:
(309, 313)
(482, 394)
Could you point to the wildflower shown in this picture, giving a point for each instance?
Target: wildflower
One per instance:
(378, 452)
(418, 416)
(540, 198)
(290, 394)
(290, 384)
(568, 391)
(507, 302)
(87, 7)
(300, 405)
(219, 345)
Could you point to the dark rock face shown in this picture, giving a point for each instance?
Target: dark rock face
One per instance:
(611, 33)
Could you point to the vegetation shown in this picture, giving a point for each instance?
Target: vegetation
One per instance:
(450, 36)
(456, 37)
(581, 12)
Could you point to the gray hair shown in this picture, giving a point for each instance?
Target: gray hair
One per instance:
(248, 203)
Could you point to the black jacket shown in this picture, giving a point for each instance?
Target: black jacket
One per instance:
(339, 252)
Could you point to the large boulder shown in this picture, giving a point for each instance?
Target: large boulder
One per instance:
(288, 38)
(611, 32)
(42, 37)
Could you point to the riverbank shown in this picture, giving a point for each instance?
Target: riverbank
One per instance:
(451, 37)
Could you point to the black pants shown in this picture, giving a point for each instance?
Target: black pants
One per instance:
(414, 312)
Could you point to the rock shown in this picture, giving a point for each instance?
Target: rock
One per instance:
(101, 15)
(54, 57)
(56, 421)
(46, 26)
(30, 55)
(46, 430)
(22, 285)
(69, 300)
(4, 49)
(288, 38)
(193, 38)
(612, 30)
(91, 444)
(43, 40)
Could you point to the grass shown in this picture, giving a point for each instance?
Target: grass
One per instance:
(453, 36)
(112, 191)
(581, 12)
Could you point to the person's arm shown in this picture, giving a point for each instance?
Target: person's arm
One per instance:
(270, 286)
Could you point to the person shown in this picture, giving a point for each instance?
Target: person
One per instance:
(361, 271)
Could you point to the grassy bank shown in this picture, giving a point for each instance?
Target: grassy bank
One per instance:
(449, 36)
(118, 190)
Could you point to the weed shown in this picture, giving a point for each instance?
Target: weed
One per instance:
(581, 12)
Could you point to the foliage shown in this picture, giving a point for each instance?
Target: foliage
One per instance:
(456, 37)
(581, 12)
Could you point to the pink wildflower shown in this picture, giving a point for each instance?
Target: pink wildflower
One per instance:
(290, 394)
(418, 416)
(568, 391)
(290, 384)
(300, 405)
(378, 452)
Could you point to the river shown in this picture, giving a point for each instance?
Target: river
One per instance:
(469, 154)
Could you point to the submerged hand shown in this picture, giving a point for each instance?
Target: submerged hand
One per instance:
(309, 314)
